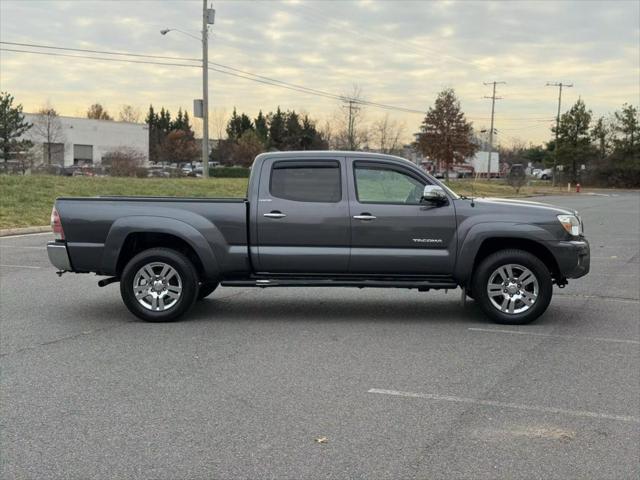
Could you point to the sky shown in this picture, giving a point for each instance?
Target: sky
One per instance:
(400, 53)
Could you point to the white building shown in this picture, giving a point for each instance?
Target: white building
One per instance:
(83, 141)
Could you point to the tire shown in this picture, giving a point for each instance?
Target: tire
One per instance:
(206, 289)
(544, 177)
(513, 302)
(167, 277)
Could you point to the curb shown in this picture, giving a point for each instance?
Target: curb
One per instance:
(6, 232)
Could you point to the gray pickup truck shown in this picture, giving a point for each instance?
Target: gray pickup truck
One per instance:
(323, 219)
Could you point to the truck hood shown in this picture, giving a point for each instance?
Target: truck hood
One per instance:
(525, 205)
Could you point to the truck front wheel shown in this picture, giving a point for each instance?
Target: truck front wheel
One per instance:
(159, 285)
(512, 287)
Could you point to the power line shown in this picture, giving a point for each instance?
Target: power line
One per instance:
(103, 52)
(217, 67)
(244, 74)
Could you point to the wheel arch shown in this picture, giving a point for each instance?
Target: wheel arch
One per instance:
(130, 235)
(492, 245)
(486, 240)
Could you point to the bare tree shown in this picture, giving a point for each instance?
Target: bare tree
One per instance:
(386, 134)
(218, 122)
(129, 113)
(98, 112)
(47, 128)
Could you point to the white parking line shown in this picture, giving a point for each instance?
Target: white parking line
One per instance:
(27, 234)
(597, 297)
(20, 266)
(517, 406)
(573, 337)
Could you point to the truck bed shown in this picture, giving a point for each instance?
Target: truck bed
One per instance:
(96, 227)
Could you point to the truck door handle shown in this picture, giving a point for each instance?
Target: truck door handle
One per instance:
(364, 216)
(275, 214)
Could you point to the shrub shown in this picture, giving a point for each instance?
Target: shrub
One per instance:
(614, 177)
(124, 162)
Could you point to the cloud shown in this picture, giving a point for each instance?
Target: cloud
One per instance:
(400, 52)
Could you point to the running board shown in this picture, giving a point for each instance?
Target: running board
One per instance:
(340, 282)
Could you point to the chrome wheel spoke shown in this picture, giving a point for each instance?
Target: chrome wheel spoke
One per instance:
(142, 294)
(165, 270)
(152, 289)
(172, 273)
(527, 278)
(528, 298)
(505, 304)
(512, 289)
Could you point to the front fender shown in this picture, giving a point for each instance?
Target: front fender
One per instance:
(125, 226)
(469, 244)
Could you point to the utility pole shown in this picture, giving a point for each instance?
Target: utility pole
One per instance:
(206, 20)
(493, 105)
(351, 122)
(555, 148)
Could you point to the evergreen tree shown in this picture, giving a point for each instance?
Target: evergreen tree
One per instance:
(262, 130)
(12, 126)
(574, 141)
(178, 123)
(293, 131)
(310, 138)
(627, 124)
(238, 124)
(277, 130)
(186, 123)
(445, 134)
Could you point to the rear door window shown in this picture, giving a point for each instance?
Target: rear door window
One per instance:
(306, 181)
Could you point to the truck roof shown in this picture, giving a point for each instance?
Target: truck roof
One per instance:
(315, 154)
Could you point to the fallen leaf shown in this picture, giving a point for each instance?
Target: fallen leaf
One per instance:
(322, 440)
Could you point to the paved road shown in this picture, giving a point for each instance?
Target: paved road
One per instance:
(402, 384)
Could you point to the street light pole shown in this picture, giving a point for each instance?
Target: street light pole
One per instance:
(205, 90)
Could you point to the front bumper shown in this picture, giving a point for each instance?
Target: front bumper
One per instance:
(573, 257)
(59, 256)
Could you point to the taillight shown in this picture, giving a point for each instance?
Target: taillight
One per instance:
(56, 225)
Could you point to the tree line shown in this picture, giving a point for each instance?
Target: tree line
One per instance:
(608, 146)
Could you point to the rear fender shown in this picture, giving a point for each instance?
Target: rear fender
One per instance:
(125, 226)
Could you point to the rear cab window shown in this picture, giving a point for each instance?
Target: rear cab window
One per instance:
(306, 181)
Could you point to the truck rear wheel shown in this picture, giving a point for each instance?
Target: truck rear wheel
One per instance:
(159, 285)
(512, 287)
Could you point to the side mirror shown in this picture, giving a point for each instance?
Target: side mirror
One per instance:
(434, 194)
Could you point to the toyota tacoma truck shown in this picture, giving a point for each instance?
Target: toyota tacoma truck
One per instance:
(323, 219)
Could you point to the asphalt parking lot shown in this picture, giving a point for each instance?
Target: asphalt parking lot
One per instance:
(401, 384)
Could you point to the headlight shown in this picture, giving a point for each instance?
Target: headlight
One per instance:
(571, 224)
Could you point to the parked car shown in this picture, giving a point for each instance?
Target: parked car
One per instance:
(320, 219)
(546, 174)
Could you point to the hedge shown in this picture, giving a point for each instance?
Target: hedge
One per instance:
(229, 172)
